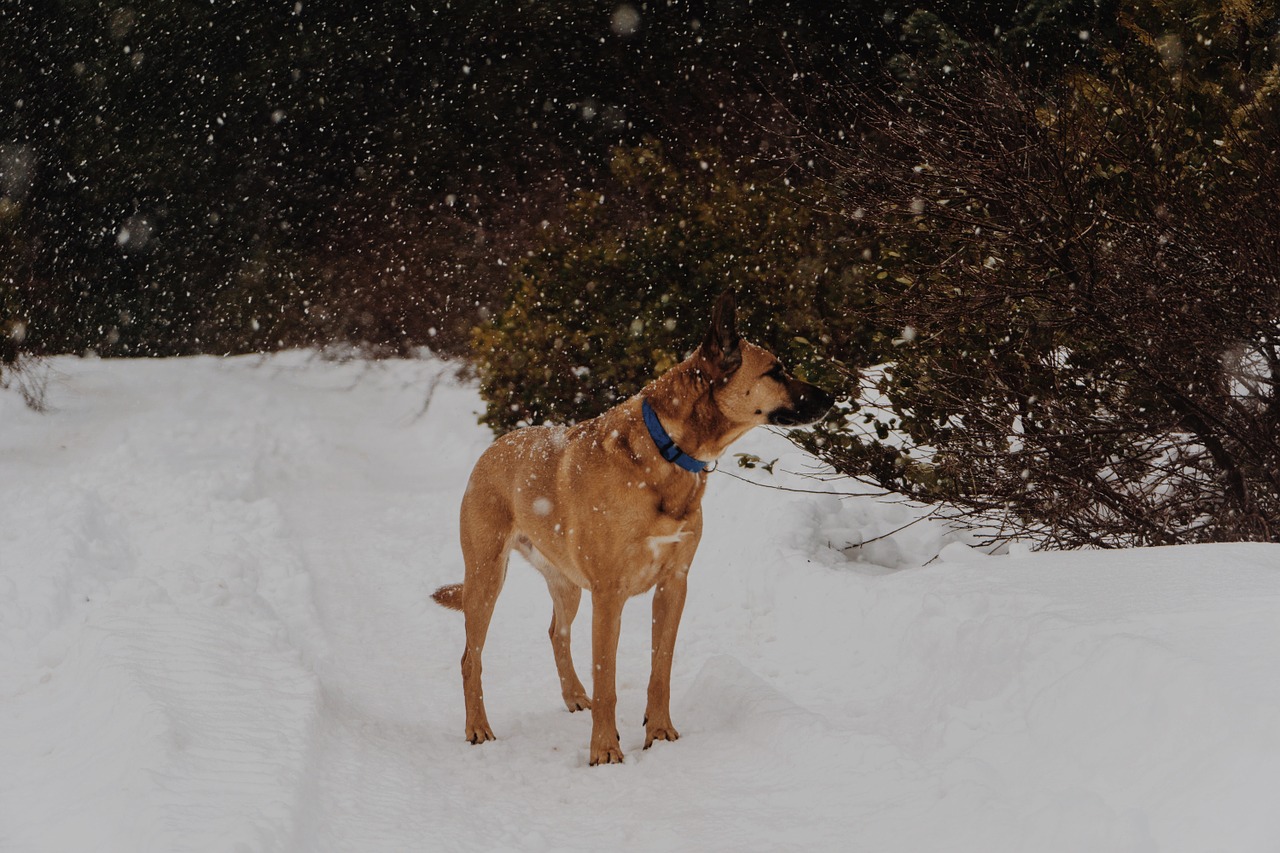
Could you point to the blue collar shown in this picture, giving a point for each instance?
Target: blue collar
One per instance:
(666, 446)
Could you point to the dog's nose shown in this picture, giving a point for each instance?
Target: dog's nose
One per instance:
(812, 402)
(820, 400)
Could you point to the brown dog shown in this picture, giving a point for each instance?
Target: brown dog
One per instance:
(613, 506)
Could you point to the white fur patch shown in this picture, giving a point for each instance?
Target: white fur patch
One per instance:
(657, 543)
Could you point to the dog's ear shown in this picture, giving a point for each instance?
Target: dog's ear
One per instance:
(722, 345)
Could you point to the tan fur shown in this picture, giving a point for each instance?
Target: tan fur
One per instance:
(449, 596)
(596, 507)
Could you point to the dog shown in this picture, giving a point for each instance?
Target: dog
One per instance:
(613, 506)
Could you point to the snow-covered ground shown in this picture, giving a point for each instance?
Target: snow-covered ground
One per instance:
(215, 634)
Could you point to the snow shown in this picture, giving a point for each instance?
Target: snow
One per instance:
(215, 634)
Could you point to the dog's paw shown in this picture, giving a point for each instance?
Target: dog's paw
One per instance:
(605, 750)
(657, 732)
(479, 734)
(609, 755)
(578, 702)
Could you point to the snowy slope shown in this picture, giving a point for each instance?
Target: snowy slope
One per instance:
(215, 635)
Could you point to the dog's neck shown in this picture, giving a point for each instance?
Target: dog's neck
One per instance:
(684, 401)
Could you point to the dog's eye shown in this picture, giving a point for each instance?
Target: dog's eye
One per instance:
(776, 372)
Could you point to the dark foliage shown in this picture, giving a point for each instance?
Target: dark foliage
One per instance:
(1087, 280)
(180, 176)
(621, 289)
(1053, 218)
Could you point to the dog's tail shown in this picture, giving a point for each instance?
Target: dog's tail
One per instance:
(449, 596)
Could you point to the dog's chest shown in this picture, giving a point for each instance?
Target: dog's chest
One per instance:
(676, 502)
(664, 548)
(665, 543)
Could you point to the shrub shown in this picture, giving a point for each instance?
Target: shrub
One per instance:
(621, 290)
(1086, 280)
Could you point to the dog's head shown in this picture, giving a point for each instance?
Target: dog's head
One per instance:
(749, 383)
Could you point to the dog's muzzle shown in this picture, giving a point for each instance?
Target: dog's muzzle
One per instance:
(809, 404)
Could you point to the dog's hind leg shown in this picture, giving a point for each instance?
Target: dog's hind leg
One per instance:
(485, 546)
(565, 597)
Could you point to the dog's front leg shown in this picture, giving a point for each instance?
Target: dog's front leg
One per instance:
(668, 604)
(606, 619)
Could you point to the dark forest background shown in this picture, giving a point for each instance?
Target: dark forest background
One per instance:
(1052, 223)
(182, 177)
